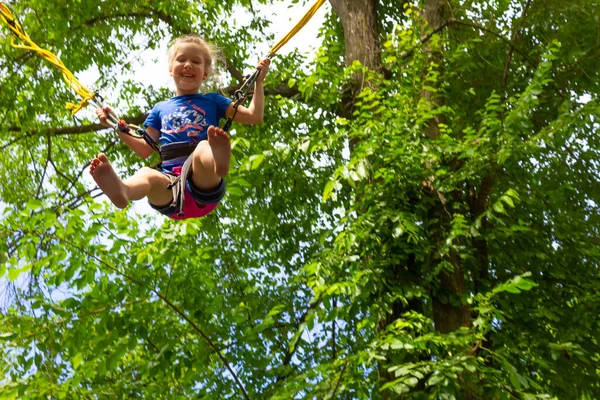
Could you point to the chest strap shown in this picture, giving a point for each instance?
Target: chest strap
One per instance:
(174, 150)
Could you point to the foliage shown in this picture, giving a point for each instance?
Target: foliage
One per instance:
(461, 176)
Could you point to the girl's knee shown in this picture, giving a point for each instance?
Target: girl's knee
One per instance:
(152, 175)
(202, 155)
(147, 171)
(201, 149)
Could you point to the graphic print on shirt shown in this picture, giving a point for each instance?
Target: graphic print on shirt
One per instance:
(188, 118)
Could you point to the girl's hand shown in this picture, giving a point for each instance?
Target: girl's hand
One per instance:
(263, 65)
(102, 114)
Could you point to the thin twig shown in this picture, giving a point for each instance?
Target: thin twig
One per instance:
(499, 36)
(289, 354)
(510, 51)
(337, 384)
(452, 21)
(48, 158)
(80, 316)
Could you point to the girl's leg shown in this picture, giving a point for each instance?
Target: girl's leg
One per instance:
(211, 159)
(147, 182)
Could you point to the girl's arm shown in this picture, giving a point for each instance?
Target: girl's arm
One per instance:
(254, 113)
(138, 145)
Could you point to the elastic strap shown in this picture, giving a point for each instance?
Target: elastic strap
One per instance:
(178, 186)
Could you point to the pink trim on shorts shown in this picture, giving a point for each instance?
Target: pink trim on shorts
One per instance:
(192, 209)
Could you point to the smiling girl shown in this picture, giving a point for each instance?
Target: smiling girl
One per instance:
(186, 125)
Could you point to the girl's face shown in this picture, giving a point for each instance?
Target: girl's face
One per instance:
(188, 68)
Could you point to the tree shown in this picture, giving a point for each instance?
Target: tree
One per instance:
(417, 217)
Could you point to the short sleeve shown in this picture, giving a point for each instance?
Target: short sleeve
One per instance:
(222, 104)
(153, 119)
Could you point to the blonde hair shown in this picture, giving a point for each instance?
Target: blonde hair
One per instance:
(210, 52)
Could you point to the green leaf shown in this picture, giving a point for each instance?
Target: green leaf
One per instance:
(77, 360)
(257, 159)
(411, 382)
(435, 379)
(235, 191)
(7, 335)
(498, 207)
(14, 273)
(34, 204)
(328, 189)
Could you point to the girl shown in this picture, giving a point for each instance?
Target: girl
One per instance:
(186, 125)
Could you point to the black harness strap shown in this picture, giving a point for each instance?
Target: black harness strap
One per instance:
(174, 150)
(171, 151)
(123, 127)
(149, 140)
(240, 94)
(239, 100)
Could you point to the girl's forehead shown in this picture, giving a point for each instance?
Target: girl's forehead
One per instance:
(189, 48)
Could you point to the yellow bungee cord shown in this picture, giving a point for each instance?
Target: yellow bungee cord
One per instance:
(309, 14)
(27, 44)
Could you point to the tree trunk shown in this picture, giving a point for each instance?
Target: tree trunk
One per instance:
(449, 313)
(359, 19)
(361, 37)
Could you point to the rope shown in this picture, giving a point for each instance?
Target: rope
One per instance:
(87, 96)
(241, 93)
(7, 17)
(309, 14)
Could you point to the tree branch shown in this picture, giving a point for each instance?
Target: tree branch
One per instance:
(425, 38)
(481, 198)
(236, 73)
(48, 159)
(478, 206)
(499, 36)
(173, 307)
(69, 130)
(137, 15)
(452, 21)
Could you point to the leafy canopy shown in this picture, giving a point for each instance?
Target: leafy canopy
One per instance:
(428, 230)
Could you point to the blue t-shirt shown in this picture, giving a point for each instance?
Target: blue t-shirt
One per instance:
(187, 117)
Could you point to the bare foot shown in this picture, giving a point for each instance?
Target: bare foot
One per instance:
(218, 140)
(108, 181)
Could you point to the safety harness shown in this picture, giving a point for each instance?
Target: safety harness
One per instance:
(167, 152)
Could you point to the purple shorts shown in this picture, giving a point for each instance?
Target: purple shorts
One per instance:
(197, 202)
